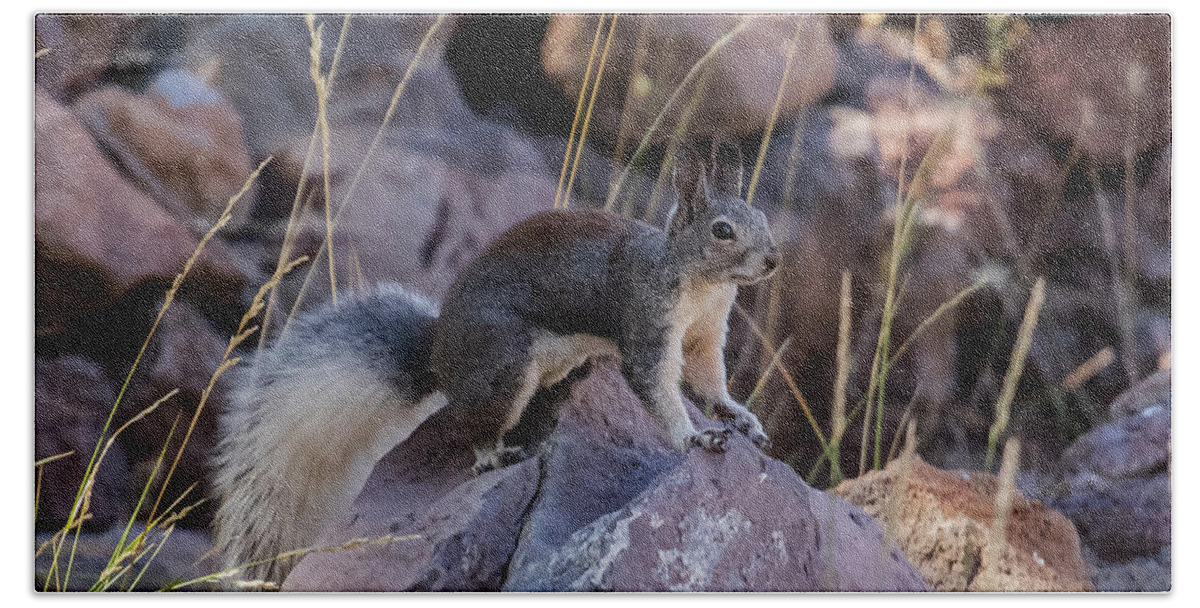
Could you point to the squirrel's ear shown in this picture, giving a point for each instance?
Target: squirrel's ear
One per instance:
(727, 168)
(691, 186)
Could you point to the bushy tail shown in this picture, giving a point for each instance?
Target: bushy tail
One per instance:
(310, 417)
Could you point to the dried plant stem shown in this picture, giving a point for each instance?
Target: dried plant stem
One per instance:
(879, 364)
(583, 87)
(587, 117)
(997, 540)
(289, 233)
(615, 189)
(838, 422)
(1016, 365)
(321, 84)
(168, 299)
(676, 140)
(774, 116)
(244, 331)
(941, 311)
(795, 389)
(350, 545)
(366, 160)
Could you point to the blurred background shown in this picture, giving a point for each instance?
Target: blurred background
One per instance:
(1038, 146)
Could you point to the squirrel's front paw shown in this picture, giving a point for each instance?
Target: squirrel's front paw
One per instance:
(750, 427)
(711, 440)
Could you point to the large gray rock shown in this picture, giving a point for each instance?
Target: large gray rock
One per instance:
(1117, 476)
(605, 505)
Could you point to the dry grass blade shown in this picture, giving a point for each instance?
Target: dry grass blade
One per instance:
(296, 212)
(583, 87)
(41, 53)
(774, 116)
(1086, 370)
(997, 540)
(676, 140)
(903, 207)
(587, 117)
(83, 503)
(792, 386)
(615, 189)
(321, 83)
(49, 459)
(168, 299)
(766, 372)
(838, 423)
(367, 157)
(634, 92)
(941, 311)
(1016, 365)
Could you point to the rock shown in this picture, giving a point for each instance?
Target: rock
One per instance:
(744, 76)
(1117, 476)
(943, 520)
(72, 399)
(1139, 574)
(605, 504)
(183, 355)
(181, 141)
(244, 55)
(184, 555)
(80, 50)
(442, 182)
(1103, 81)
(98, 237)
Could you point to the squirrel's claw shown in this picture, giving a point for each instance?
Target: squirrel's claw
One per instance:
(710, 440)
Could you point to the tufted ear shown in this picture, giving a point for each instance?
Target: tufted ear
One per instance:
(727, 171)
(691, 186)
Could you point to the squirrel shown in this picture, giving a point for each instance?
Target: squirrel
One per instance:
(314, 412)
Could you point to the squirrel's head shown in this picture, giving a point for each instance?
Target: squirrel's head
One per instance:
(711, 230)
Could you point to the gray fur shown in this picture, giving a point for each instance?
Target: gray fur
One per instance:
(309, 418)
(313, 413)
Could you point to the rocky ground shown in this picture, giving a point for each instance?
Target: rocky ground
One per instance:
(1058, 166)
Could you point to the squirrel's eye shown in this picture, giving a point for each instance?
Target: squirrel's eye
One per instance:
(722, 230)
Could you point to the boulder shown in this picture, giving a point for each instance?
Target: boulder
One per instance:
(181, 141)
(743, 77)
(1117, 476)
(81, 48)
(97, 236)
(604, 504)
(71, 400)
(943, 521)
(184, 353)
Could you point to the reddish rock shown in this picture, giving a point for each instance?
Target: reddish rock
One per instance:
(72, 398)
(183, 355)
(182, 141)
(743, 77)
(1100, 80)
(943, 521)
(97, 236)
(605, 505)
(81, 48)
